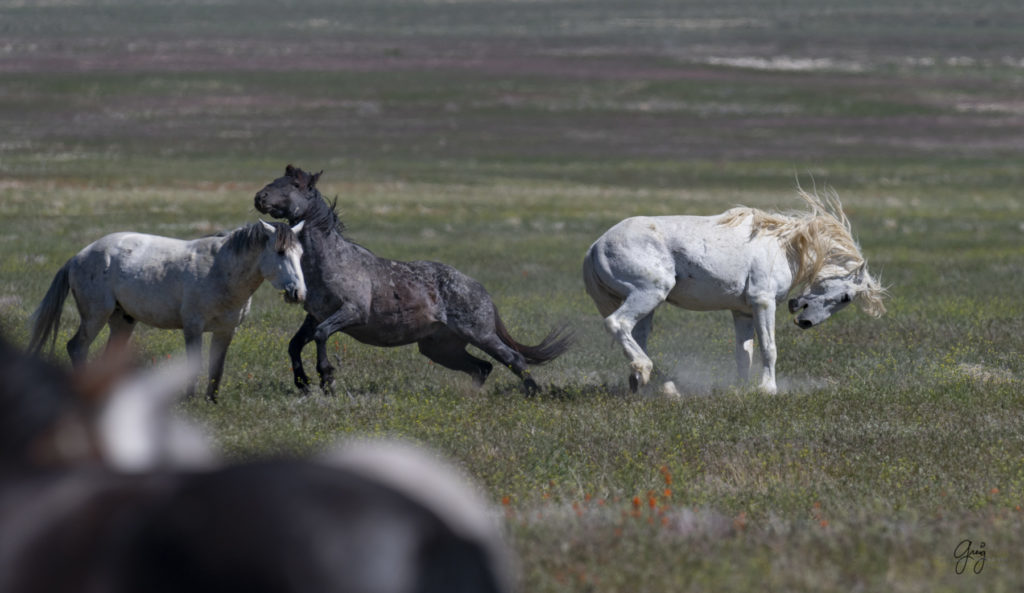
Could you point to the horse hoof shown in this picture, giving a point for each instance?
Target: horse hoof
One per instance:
(531, 387)
(634, 381)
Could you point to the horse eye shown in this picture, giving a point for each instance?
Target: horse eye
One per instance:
(281, 252)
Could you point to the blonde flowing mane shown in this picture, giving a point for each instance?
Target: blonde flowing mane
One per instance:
(819, 240)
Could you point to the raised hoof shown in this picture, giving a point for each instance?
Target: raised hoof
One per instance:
(531, 387)
(634, 381)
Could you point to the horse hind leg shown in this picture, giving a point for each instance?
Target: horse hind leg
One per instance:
(93, 318)
(630, 325)
(121, 327)
(496, 349)
(449, 351)
(78, 345)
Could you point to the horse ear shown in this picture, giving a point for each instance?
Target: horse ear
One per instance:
(297, 228)
(289, 171)
(269, 228)
(314, 178)
(861, 272)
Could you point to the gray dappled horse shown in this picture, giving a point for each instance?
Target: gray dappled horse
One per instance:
(384, 302)
(198, 286)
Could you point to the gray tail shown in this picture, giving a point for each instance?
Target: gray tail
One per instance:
(551, 347)
(46, 318)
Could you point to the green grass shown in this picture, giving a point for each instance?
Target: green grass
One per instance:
(504, 146)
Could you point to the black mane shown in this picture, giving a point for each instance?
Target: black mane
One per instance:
(323, 214)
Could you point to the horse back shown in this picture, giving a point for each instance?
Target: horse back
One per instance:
(147, 276)
(694, 261)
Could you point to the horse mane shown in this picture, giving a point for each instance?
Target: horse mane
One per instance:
(819, 240)
(323, 214)
(252, 236)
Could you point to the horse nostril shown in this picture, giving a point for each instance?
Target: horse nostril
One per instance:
(793, 305)
(804, 324)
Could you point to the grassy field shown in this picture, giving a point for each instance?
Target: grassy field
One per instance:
(503, 138)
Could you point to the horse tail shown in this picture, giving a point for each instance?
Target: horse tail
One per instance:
(551, 347)
(46, 318)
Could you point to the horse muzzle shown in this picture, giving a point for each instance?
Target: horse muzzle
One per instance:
(261, 203)
(293, 294)
(803, 323)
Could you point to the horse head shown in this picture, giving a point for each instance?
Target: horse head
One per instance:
(288, 196)
(280, 262)
(825, 297)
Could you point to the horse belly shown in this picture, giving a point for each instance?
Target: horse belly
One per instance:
(155, 299)
(151, 306)
(705, 296)
(396, 326)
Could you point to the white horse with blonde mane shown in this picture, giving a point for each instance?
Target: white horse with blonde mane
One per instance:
(745, 260)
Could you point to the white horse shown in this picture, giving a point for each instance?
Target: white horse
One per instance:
(745, 260)
(204, 285)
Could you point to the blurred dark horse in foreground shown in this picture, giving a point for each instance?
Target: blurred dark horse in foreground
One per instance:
(384, 302)
(102, 490)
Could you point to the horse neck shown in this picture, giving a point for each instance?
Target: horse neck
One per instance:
(238, 269)
(810, 249)
(323, 233)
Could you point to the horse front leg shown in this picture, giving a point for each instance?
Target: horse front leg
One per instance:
(744, 325)
(764, 324)
(348, 315)
(295, 346)
(193, 352)
(218, 353)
